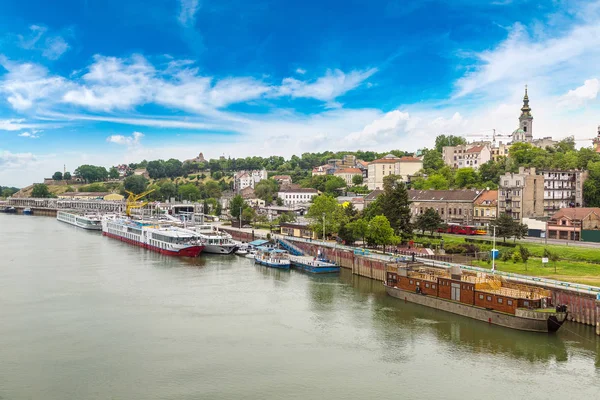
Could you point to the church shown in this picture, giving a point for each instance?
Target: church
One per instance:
(524, 133)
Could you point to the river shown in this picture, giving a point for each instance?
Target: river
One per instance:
(87, 317)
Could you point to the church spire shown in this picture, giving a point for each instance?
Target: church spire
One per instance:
(525, 110)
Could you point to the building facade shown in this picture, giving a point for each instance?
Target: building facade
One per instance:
(453, 206)
(485, 208)
(573, 223)
(521, 195)
(294, 196)
(467, 155)
(562, 189)
(244, 179)
(347, 174)
(391, 165)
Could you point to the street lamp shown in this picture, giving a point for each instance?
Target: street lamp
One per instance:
(494, 251)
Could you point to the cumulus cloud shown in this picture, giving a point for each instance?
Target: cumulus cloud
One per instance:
(300, 71)
(187, 12)
(130, 141)
(581, 95)
(55, 47)
(31, 134)
(11, 160)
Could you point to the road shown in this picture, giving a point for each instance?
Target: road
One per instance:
(536, 240)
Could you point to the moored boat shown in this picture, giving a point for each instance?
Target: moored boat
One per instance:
(313, 265)
(27, 211)
(86, 221)
(273, 258)
(216, 241)
(476, 295)
(168, 240)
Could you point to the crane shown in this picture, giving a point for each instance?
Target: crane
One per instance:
(132, 201)
(486, 135)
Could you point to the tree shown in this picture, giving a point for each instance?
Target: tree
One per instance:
(286, 218)
(218, 209)
(380, 232)
(465, 178)
(430, 221)
(346, 233)
(57, 176)
(91, 173)
(279, 201)
(357, 180)
(327, 206)
(450, 140)
(524, 252)
(395, 205)
(135, 184)
(213, 189)
(248, 214)
(113, 173)
(519, 230)
(189, 191)
(505, 226)
(266, 190)
(432, 160)
(236, 205)
(40, 191)
(360, 228)
(168, 190)
(67, 176)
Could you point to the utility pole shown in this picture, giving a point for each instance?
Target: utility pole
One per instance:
(241, 218)
(494, 251)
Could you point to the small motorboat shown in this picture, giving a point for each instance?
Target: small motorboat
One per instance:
(241, 252)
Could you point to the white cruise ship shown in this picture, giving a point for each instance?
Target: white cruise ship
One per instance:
(86, 221)
(216, 241)
(169, 240)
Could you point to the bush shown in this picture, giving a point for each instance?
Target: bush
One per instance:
(516, 257)
(505, 255)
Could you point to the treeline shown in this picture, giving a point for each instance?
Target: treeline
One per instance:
(6, 191)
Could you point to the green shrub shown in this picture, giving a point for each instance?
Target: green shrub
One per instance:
(516, 257)
(505, 255)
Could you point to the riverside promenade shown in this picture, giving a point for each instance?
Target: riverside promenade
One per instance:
(583, 301)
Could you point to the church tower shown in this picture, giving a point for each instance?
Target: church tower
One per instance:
(526, 120)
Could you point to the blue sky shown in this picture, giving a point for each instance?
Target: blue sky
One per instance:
(106, 82)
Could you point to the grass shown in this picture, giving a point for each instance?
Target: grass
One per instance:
(568, 271)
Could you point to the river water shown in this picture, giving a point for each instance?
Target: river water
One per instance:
(87, 317)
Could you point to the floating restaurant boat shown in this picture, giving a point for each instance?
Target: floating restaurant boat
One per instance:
(476, 295)
(314, 265)
(86, 221)
(273, 258)
(168, 240)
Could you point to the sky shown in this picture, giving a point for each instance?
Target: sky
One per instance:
(106, 82)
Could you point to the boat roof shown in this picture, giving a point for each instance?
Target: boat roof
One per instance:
(270, 249)
(259, 242)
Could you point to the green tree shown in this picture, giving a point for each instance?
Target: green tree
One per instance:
(450, 140)
(286, 218)
(430, 221)
(40, 191)
(96, 187)
(213, 189)
(218, 209)
(266, 190)
(465, 178)
(236, 206)
(505, 226)
(328, 207)
(519, 230)
(357, 180)
(67, 176)
(113, 173)
(168, 190)
(437, 182)
(432, 161)
(346, 233)
(248, 214)
(91, 173)
(395, 205)
(524, 252)
(360, 228)
(380, 232)
(279, 201)
(57, 176)
(135, 184)
(189, 191)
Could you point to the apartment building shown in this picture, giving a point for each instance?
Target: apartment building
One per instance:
(454, 206)
(391, 165)
(562, 189)
(521, 195)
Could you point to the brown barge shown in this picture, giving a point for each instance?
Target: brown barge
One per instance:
(479, 296)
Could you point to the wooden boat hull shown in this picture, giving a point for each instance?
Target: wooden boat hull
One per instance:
(547, 324)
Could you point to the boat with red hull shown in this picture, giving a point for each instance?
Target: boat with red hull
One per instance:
(167, 240)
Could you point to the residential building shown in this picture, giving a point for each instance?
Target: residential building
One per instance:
(347, 174)
(358, 202)
(454, 206)
(467, 155)
(574, 224)
(244, 179)
(371, 197)
(562, 189)
(282, 180)
(391, 165)
(521, 195)
(322, 170)
(485, 207)
(294, 196)
(500, 150)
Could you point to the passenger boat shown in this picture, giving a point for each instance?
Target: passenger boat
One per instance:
(216, 242)
(168, 240)
(27, 211)
(314, 265)
(86, 221)
(476, 295)
(273, 258)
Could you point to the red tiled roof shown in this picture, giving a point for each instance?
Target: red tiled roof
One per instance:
(487, 195)
(443, 195)
(409, 159)
(576, 213)
(475, 149)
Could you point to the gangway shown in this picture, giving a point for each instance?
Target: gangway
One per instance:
(293, 249)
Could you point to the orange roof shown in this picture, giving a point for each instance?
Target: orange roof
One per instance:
(576, 213)
(363, 163)
(475, 149)
(490, 196)
(348, 171)
(409, 159)
(385, 161)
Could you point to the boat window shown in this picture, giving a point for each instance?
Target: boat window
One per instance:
(481, 297)
(411, 282)
(500, 300)
(526, 303)
(489, 298)
(509, 302)
(433, 286)
(427, 285)
(418, 283)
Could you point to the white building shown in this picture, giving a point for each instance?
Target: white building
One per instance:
(347, 174)
(467, 155)
(294, 196)
(391, 165)
(562, 189)
(244, 179)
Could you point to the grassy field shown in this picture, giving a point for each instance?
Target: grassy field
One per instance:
(568, 271)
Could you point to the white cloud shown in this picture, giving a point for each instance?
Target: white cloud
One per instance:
(131, 141)
(9, 160)
(12, 125)
(52, 47)
(583, 94)
(187, 12)
(55, 47)
(30, 134)
(300, 71)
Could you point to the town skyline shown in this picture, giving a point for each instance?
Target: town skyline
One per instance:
(167, 82)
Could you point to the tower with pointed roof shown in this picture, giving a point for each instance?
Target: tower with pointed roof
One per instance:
(525, 131)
